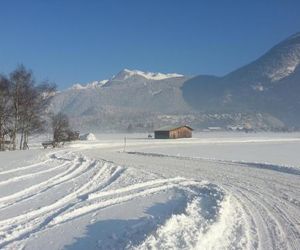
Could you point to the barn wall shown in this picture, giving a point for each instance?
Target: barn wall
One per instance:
(181, 133)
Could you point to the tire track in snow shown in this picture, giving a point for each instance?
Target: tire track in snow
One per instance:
(275, 229)
(25, 168)
(267, 166)
(282, 225)
(76, 167)
(51, 157)
(30, 175)
(84, 200)
(265, 234)
(274, 214)
(263, 212)
(134, 187)
(22, 226)
(96, 205)
(275, 209)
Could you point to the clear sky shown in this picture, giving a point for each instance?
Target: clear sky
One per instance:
(69, 41)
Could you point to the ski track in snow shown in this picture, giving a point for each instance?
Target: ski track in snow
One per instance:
(228, 212)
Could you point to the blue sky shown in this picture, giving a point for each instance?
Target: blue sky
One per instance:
(69, 41)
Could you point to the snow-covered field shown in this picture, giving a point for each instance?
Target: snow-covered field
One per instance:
(215, 191)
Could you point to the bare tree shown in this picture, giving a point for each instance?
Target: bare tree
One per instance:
(32, 114)
(5, 110)
(28, 104)
(21, 80)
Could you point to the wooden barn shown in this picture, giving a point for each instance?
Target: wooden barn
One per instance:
(173, 132)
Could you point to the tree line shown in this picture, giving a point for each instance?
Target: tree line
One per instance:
(23, 103)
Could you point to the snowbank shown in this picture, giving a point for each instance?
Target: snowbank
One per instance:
(88, 137)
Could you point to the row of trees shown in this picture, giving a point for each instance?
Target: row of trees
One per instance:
(22, 107)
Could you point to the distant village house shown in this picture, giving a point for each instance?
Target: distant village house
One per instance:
(169, 132)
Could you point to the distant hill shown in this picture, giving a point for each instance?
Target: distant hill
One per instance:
(271, 84)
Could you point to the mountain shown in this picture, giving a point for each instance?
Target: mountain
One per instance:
(263, 95)
(271, 85)
(130, 97)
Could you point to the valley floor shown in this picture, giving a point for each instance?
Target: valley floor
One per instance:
(217, 191)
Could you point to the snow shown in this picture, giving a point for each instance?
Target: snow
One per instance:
(92, 85)
(285, 70)
(258, 87)
(214, 191)
(287, 65)
(126, 74)
(149, 75)
(88, 137)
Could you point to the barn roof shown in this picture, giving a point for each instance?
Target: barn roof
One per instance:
(169, 128)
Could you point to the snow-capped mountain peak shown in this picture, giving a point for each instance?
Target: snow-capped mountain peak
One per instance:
(126, 73)
(91, 85)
